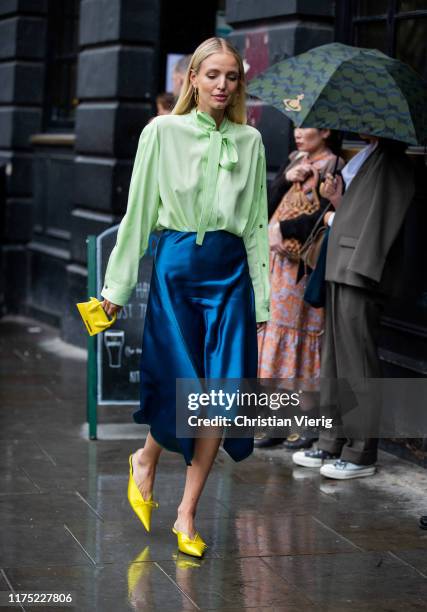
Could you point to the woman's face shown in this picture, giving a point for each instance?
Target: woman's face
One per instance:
(217, 81)
(310, 139)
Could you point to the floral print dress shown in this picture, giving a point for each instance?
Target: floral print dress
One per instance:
(289, 344)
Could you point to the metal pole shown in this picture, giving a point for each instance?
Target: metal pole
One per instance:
(91, 384)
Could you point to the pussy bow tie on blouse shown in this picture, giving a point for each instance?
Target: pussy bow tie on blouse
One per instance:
(222, 152)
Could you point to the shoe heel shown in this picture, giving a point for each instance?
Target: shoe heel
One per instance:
(142, 508)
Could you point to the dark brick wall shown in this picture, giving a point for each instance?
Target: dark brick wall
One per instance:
(117, 84)
(22, 49)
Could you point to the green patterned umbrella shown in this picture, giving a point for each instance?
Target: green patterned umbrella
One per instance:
(349, 89)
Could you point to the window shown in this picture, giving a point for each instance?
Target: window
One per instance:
(399, 29)
(61, 65)
(395, 27)
(411, 43)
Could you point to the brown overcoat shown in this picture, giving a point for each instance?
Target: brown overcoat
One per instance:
(363, 250)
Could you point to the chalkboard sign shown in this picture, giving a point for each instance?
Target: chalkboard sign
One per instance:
(119, 347)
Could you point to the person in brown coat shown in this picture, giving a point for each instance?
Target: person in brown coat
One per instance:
(363, 268)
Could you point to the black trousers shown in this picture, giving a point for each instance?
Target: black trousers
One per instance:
(349, 354)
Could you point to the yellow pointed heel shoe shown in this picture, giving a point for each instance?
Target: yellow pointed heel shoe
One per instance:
(142, 508)
(190, 546)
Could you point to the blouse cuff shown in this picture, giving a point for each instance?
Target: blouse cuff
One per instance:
(115, 294)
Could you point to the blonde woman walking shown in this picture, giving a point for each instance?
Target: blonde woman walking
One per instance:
(199, 176)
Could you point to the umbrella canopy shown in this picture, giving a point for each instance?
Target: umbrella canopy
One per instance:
(349, 89)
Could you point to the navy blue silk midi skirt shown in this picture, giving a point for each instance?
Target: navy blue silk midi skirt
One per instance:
(200, 323)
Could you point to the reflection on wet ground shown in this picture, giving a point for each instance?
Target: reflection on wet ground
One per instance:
(279, 538)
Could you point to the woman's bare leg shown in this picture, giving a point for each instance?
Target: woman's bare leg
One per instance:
(205, 451)
(144, 463)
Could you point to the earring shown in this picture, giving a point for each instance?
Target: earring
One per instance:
(196, 95)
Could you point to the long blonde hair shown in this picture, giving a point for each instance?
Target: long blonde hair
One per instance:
(186, 100)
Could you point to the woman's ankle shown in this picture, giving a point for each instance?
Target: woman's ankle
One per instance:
(185, 522)
(143, 460)
(185, 513)
(185, 525)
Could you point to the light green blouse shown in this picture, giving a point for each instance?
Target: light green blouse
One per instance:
(192, 177)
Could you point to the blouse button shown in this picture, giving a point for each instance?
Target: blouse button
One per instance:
(263, 265)
(261, 226)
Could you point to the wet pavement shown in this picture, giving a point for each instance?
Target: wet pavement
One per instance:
(280, 539)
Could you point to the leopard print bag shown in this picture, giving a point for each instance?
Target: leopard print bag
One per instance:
(293, 204)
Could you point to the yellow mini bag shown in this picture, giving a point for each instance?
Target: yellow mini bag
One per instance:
(94, 316)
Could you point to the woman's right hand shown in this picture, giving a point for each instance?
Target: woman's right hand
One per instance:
(299, 173)
(110, 308)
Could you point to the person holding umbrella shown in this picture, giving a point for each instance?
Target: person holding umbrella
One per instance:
(367, 92)
(363, 262)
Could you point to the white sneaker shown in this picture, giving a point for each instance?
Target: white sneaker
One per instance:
(313, 457)
(343, 470)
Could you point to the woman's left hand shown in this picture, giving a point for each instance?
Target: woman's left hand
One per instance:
(110, 308)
